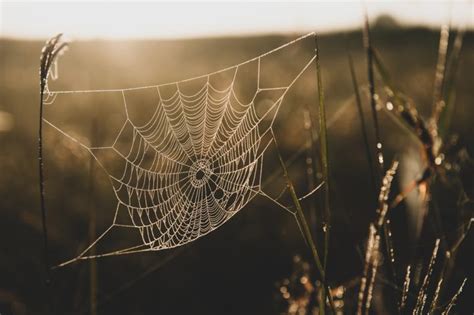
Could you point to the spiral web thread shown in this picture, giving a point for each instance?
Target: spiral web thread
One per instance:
(193, 165)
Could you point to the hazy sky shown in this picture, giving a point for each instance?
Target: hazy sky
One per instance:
(147, 19)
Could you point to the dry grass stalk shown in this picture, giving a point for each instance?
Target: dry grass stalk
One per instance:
(436, 297)
(454, 298)
(420, 302)
(438, 102)
(406, 287)
(373, 243)
(324, 155)
(363, 281)
(306, 231)
(52, 49)
(375, 263)
(384, 193)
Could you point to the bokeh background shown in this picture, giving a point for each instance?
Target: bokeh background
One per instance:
(237, 269)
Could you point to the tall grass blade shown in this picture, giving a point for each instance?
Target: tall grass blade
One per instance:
(373, 244)
(434, 303)
(304, 227)
(373, 105)
(311, 169)
(324, 155)
(438, 102)
(406, 288)
(382, 210)
(454, 299)
(448, 264)
(368, 257)
(378, 145)
(422, 293)
(92, 225)
(368, 153)
(375, 263)
(449, 91)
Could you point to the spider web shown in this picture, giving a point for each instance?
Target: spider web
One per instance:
(195, 162)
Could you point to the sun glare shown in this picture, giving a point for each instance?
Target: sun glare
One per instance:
(197, 19)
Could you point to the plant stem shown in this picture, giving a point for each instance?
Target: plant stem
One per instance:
(47, 268)
(311, 170)
(48, 54)
(362, 125)
(324, 157)
(370, 74)
(303, 223)
(92, 226)
(449, 91)
(41, 189)
(438, 97)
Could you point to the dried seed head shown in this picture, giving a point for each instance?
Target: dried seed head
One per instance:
(53, 48)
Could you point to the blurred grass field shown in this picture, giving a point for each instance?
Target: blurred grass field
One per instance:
(234, 269)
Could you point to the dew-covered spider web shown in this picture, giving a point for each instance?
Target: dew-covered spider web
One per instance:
(184, 168)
